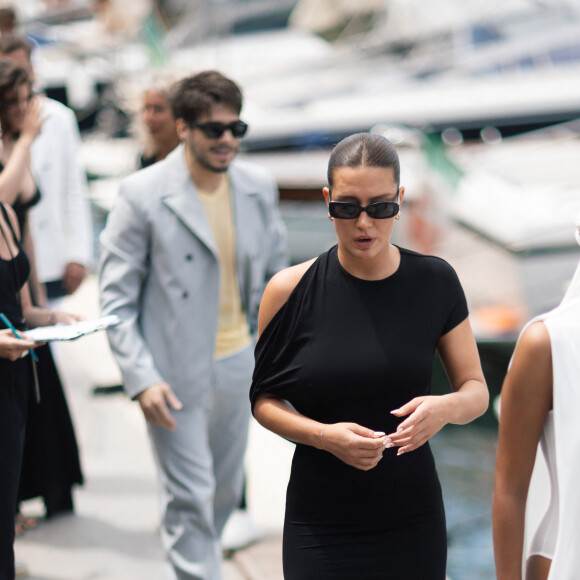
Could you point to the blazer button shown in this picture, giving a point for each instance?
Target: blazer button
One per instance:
(185, 295)
(189, 257)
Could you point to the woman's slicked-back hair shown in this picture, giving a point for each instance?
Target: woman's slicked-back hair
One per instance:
(364, 150)
(194, 96)
(11, 77)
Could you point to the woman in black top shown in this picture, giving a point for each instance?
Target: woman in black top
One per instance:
(16, 373)
(343, 368)
(21, 122)
(51, 462)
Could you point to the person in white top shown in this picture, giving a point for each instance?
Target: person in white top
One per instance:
(61, 222)
(540, 401)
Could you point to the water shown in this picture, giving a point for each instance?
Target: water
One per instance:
(465, 457)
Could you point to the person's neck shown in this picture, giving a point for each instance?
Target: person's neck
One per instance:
(204, 179)
(165, 148)
(378, 268)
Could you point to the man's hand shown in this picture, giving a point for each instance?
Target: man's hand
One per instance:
(355, 445)
(74, 274)
(154, 401)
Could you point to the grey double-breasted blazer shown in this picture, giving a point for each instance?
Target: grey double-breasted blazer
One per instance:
(159, 271)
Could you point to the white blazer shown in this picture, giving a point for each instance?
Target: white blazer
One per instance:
(61, 222)
(159, 272)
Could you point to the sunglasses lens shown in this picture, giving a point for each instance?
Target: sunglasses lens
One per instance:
(213, 130)
(383, 210)
(344, 210)
(238, 128)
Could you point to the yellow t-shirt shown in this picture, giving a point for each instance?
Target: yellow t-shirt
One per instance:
(233, 331)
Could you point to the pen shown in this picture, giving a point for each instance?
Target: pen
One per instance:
(15, 333)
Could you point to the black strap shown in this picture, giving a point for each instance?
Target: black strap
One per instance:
(9, 222)
(15, 280)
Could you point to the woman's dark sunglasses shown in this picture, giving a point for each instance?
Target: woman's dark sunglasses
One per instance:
(215, 129)
(348, 210)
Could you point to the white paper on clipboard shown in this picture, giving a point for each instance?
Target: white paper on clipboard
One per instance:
(71, 331)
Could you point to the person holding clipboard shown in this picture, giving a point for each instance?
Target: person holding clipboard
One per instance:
(17, 372)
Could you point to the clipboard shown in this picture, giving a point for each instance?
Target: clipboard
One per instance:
(60, 332)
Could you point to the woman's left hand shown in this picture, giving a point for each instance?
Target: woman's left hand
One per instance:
(427, 416)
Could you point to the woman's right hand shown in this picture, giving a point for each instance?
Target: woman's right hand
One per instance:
(14, 348)
(33, 119)
(355, 445)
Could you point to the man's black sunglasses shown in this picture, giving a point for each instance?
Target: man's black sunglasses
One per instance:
(348, 210)
(215, 129)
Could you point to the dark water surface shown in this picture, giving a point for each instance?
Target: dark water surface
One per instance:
(465, 457)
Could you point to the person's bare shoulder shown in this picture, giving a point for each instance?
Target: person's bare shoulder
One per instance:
(278, 291)
(530, 374)
(535, 340)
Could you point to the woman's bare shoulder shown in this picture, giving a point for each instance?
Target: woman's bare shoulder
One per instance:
(286, 280)
(526, 394)
(535, 339)
(278, 291)
(531, 366)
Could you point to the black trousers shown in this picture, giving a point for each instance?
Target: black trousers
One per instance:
(15, 387)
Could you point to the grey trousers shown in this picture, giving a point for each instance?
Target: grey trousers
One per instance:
(201, 471)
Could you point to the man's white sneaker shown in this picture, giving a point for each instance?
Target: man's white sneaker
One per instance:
(240, 531)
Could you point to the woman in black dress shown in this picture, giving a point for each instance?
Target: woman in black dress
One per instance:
(343, 368)
(16, 374)
(51, 464)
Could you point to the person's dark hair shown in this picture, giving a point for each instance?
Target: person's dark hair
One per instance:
(13, 42)
(11, 77)
(364, 150)
(7, 20)
(194, 96)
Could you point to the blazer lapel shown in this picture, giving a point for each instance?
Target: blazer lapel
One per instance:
(181, 198)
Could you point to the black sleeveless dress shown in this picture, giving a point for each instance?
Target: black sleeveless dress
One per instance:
(50, 463)
(15, 388)
(346, 349)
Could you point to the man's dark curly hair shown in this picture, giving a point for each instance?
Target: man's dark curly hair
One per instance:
(194, 96)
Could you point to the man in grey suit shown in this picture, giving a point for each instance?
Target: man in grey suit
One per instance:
(185, 255)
